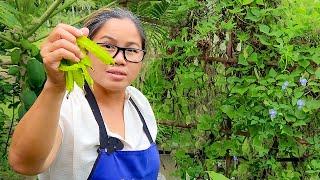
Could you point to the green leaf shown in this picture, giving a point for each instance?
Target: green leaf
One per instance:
(96, 50)
(253, 14)
(304, 63)
(299, 114)
(8, 16)
(317, 73)
(85, 61)
(246, 147)
(29, 46)
(242, 36)
(264, 28)
(229, 110)
(313, 104)
(246, 2)
(298, 93)
(272, 73)
(260, 2)
(227, 25)
(299, 123)
(242, 60)
(87, 76)
(263, 39)
(287, 130)
(239, 89)
(36, 73)
(316, 58)
(13, 70)
(66, 67)
(69, 81)
(253, 57)
(216, 176)
(78, 77)
(15, 56)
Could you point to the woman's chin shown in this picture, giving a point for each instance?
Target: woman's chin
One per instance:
(114, 86)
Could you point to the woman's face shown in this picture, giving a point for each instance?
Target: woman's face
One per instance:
(122, 33)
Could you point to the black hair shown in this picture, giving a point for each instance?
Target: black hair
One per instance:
(100, 17)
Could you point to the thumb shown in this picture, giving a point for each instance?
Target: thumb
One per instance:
(85, 31)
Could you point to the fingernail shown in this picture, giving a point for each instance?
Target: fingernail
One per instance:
(81, 55)
(85, 31)
(77, 59)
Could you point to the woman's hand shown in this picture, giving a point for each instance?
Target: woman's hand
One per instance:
(60, 44)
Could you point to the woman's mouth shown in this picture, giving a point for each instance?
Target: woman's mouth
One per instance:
(116, 74)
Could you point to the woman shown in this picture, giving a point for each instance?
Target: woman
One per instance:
(107, 132)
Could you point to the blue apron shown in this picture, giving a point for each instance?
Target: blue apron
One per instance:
(114, 164)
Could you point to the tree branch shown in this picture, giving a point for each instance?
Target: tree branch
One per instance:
(74, 23)
(6, 63)
(233, 60)
(10, 129)
(62, 8)
(3, 37)
(43, 18)
(170, 123)
(84, 18)
(5, 60)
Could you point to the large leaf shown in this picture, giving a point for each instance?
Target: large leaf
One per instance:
(15, 56)
(8, 16)
(229, 110)
(216, 176)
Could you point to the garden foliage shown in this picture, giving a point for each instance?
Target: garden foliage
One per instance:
(234, 84)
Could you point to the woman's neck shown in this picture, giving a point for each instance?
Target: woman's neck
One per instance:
(109, 98)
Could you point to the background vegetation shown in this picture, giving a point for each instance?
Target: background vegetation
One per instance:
(234, 84)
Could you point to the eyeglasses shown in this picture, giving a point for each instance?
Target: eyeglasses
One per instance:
(133, 55)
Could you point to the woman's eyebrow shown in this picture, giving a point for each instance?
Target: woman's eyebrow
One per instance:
(108, 37)
(114, 39)
(132, 43)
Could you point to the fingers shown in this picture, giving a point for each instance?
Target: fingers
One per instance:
(85, 31)
(61, 44)
(60, 54)
(65, 44)
(64, 31)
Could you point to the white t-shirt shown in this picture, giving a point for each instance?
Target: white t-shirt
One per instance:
(78, 150)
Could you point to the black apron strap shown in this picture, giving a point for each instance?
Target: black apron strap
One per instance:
(103, 135)
(108, 142)
(145, 127)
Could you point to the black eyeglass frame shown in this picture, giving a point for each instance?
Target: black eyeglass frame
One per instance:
(123, 49)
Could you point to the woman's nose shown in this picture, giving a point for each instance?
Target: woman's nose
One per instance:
(119, 58)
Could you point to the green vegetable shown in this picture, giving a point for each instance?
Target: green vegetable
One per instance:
(96, 50)
(77, 72)
(36, 73)
(28, 97)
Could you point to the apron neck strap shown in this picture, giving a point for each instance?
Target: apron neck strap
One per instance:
(145, 127)
(104, 138)
(103, 135)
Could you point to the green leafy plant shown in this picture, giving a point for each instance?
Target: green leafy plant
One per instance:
(77, 72)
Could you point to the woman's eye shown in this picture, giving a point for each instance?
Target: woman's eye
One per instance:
(133, 50)
(108, 46)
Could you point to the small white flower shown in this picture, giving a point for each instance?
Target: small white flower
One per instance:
(272, 113)
(285, 85)
(303, 81)
(235, 158)
(300, 103)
